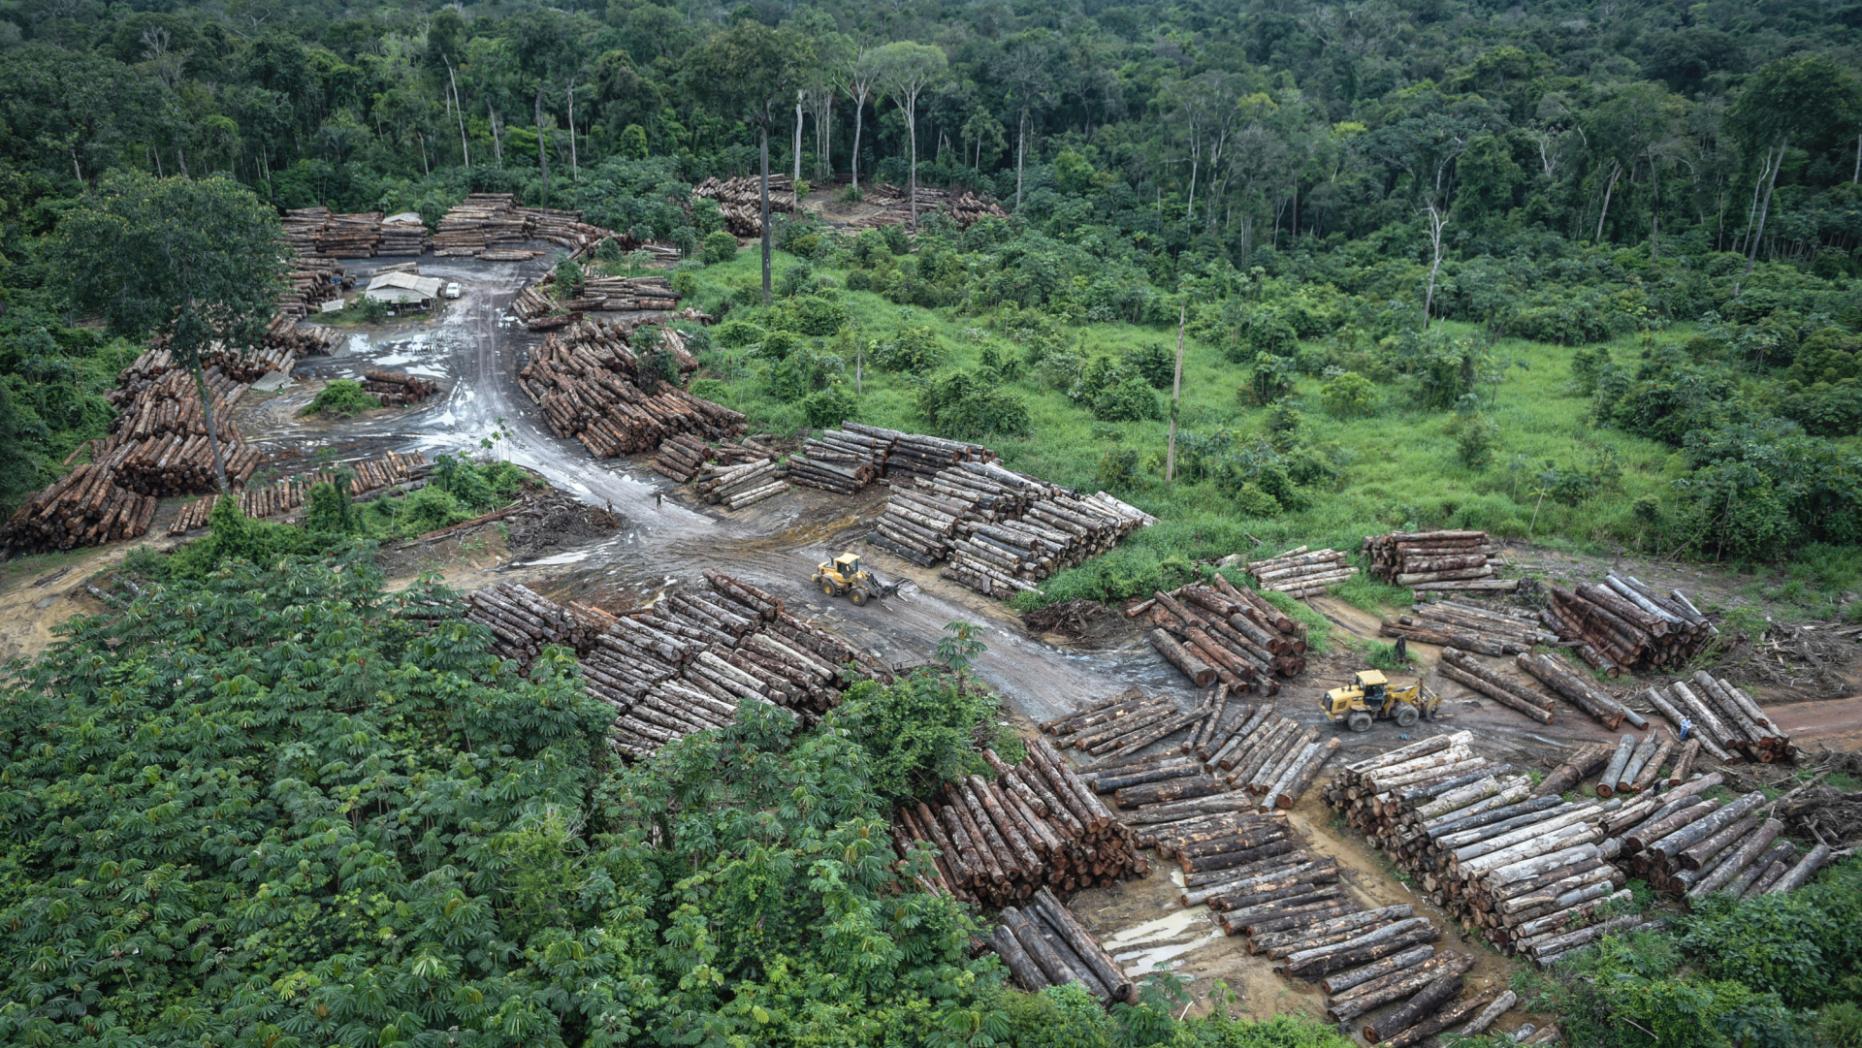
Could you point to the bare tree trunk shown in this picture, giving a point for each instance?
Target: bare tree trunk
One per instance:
(795, 180)
(1752, 208)
(1616, 171)
(465, 146)
(543, 152)
(1176, 398)
(1021, 151)
(1437, 220)
(763, 141)
(911, 135)
(497, 137)
(1856, 175)
(1758, 237)
(859, 117)
(213, 433)
(575, 168)
(1190, 214)
(859, 366)
(425, 167)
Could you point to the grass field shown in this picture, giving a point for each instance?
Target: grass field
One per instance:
(1398, 464)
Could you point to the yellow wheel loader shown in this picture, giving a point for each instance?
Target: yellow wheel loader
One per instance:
(1371, 697)
(845, 576)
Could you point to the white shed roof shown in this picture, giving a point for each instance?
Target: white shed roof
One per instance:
(404, 286)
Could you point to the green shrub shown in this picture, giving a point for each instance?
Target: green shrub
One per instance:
(1349, 395)
(964, 406)
(828, 407)
(736, 334)
(922, 731)
(1118, 469)
(717, 248)
(1130, 400)
(1156, 362)
(342, 398)
(812, 315)
(914, 351)
(570, 279)
(1476, 437)
(1270, 378)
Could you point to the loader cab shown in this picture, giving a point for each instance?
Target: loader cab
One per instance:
(1374, 685)
(848, 564)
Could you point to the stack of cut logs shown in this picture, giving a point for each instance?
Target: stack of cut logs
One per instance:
(1723, 717)
(922, 521)
(308, 340)
(522, 622)
(1044, 945)
(403, 234)
(1624, 625)
(1464, 669)
(1034, 825)
(894, 206)
(1233, 753)
(1487, 630)
(319, 231)
(394, 473)
(158, 442)
(688, 662)
(309, 283)
(742, 484)
(482, 222)
(844, 460)
(1689, 845)
(397, 388)
(1301, 572)
(584, 380)
(681, 456)
(740, 201)
(1216, 631)
(85, 507)
(538, 307)
(1436, 560)
(1579, 691)
(1526, 869)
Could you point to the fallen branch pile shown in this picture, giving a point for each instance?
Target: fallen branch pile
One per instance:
(1436, 560)
(1723, 717)
(1044, 945)
(1215, 631)
(585, 380)
(1470, 627)
(397, 388)
(394, 471)
(739, 201)
(1523, 870)
(1035, 825)
(1623, 625)
(1301, 572)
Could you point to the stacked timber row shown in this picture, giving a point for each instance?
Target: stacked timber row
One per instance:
(1301, 572)
(1599, 705)
(1692, 846)
(1723, 717)
(393, 473)
(403, 234)
(1215, 632)
(681, 456)
(845, 460)
(585, 380)
(309, 283)
(1035, 825)
(1436, 560)
(522, 622)
(739, 201)
(319, 231)
(1468, 671)
(1471, 627)
(158, 442)
(538, 306)
(1622, 624)
(1526, 870)
(1222, 748)
(85, 507)
(1042, 944)
(397, 388)
(743, 484)
(894, 206)
(688, 662)
(309, 340)
(485, 222)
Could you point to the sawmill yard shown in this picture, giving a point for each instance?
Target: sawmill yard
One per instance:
(612, 534)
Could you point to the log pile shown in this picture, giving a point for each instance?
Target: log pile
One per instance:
(307, 340)
(1521, 869)
(681, 456)
(397, 388)
(585, 381)
(1042, 944)
(1622, 624)
(1215, 631)
(1035, 825)
(85, 507)
(892, 206)
(402, 234)
(844, 460)
(1428, 561)
(394, 471)
(1690, 845)
(1468, 671)
(541, 310)
(319, 231)
(1579, 691)
(487, 224)
(740, 201)
(522, 622)
(158, 441)
(309, 283)
(1301, 572)
(1723, 717)
(743, 484)
(1470, 627)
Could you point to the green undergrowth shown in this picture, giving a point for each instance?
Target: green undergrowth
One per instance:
(343, 398)
(1553, 476)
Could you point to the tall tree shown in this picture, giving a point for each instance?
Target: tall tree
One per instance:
(751, 71)
(906, 70)
(1028, 71)
(195, 263)
(1792, 100)
(858, 75)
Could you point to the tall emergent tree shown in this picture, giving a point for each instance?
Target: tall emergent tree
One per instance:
(906, 69)
(195, 263)
(752, 72)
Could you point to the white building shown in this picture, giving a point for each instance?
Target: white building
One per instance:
(404, 290)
